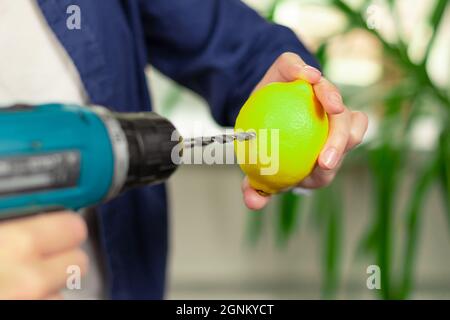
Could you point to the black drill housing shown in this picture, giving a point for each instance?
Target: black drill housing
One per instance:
(151, 139)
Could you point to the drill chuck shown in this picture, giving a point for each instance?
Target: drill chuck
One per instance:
(150, 140)
(142, 143)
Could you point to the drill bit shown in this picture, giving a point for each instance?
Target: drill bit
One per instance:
(222, 139)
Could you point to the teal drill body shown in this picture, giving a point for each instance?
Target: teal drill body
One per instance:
(52, 156)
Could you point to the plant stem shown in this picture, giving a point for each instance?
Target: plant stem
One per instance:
(413, 213)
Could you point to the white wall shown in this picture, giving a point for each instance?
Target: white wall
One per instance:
(210, 257)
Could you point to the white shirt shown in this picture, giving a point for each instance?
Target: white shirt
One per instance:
(36, 69)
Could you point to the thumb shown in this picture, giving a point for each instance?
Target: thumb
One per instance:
(289, 67)
(252, 199)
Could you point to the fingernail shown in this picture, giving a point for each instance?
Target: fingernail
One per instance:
(313, 71)
(330, 158)
(335, 99)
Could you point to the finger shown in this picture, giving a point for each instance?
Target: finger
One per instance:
(329, 97)
(289, 67)
(53, 271)
(42, 279)
(42, 235)
(359, 124)
(337, 141)
(252, 199)
(9, 280)
(318, 178)
(292, 67)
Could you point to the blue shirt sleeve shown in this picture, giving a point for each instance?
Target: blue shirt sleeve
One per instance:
(218, 48)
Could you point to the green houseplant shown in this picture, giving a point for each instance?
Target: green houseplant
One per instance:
(386, 156)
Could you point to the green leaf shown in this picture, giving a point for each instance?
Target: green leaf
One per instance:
(444, 170)
(435, 21)
(271, 12)
(327, 208)
(332, 242)
(255, 223)
(171, 99)
(413, 216)
(385, 163)
(397, 52)
(321, 54)
(319, 210)
(368, 243)
(288, 216)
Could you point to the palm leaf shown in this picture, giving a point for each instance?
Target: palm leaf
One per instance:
(413, 216)
(444, 170)
(288, 217)
(435, 21)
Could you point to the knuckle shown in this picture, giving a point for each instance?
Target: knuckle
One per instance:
(75, 224)
(287, 56)
(340, 138)
(360, 120)
(362, 116)
(328, 86)
(356, 140)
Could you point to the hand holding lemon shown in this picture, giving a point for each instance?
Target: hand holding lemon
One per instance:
(315, 130)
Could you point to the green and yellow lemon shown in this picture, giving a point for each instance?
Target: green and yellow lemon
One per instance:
(291, 129)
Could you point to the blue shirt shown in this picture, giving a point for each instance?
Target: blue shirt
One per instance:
(217, 48)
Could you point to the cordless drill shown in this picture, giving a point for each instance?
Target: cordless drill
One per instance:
(57, 156)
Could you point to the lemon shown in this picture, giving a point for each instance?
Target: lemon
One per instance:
(291, 128)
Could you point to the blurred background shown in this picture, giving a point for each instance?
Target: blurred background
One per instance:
(390, 204)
